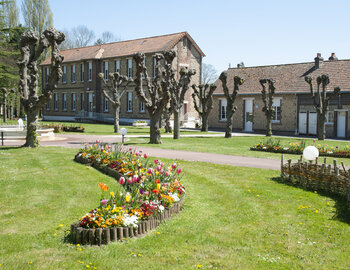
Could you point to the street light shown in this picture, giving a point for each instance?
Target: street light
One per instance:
(310, 153)
(123, 131)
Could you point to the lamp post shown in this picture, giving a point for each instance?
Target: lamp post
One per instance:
(123, 132)
(310, 153)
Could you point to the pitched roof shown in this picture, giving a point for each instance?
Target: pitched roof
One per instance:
(124, 48)
(290, 78)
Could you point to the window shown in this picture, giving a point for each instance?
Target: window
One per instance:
(129, 102)
(223, 111)
(82, 74)
(117, 66)
(90, 72)
(48, 106)
(184, 42)
(105, 70)
(129, 67)
(55, 101)
(105, 105)
(47, 74)
(64, 102)
(82, 101)
(142, 106)
(154, 67)
(74, 102)
(73, 73)
(330, 118)
(64, 77)
(144, 62)
(276, 106)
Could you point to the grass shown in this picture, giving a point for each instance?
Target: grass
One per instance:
(236, 146)
(232, 218)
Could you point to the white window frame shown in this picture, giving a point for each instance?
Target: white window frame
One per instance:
(73, 75)
(129, 67)
(105, 105)
(47, 74)
(129, 102)
(90, 71)
(105, 70)
(223, 109)
(64, 76)
(74, 102)
(327, 118)
(82, 70)
(276, 104)
(64, 101)
(55, 101)
(117, 66)
(142, 106)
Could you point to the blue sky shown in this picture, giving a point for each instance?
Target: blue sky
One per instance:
(255, 32)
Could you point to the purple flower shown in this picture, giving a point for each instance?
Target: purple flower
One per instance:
(142, 191)
(104, 201)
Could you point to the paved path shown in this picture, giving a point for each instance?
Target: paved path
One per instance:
(76, 141)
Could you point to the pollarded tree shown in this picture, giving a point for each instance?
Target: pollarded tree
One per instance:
(33, 102)
(203, 102)
(321, 101)
(155, 93)
(177, 96)
(230, 109)
(267, 96)
(116, 91)
(167, 112)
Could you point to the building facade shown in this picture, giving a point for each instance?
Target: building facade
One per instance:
(79, 93)
(293, 104)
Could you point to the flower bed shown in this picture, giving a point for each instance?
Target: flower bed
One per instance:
(297, 148)
(73, 129)
(152, 193)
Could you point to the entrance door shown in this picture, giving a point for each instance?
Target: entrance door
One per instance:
(312, 123)
(341, 124)
(248, 115)
(90, 104)
(302, 123)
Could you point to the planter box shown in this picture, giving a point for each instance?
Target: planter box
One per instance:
(103, 236)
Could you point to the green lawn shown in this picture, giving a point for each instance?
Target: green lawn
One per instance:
(236, 146)
(233, 218)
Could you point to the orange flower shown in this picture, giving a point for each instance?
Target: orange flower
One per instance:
(155, 191)
(157, 181)
(102, 186)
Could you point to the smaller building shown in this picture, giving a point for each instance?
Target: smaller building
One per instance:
(294, 110)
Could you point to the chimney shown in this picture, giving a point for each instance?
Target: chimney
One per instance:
(318, 60)
(333, 57)
(238, 65)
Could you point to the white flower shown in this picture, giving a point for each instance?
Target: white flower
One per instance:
(161, 208)
(130, 220)
(175, 197)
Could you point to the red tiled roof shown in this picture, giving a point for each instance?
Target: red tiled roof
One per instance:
(124, 48)
(290, 78)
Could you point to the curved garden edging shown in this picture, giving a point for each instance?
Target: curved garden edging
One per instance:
(102, 236)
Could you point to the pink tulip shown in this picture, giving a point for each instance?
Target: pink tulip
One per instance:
(149, 170)
(166, 174)
(121, 180)
(145, 155)
(135, 178)
(104, 201)
(174, 165)
(178, 170)
(159, 168)
(130, 180)
(156, 161)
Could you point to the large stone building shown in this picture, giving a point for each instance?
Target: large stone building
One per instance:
(79, 92)
(294, 110)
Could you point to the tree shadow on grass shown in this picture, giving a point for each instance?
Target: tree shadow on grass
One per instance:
(341, 204)
(10, 147)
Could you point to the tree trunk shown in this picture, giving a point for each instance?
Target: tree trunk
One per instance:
(32, 135)
(116, 120)
(228, 133)
(205, 124)
(168, 128)
(268, 127)
(154, 129)
(4, 111)
(321, 127)
(176, 124)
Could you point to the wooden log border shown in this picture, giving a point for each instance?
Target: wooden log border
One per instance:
(104, 236)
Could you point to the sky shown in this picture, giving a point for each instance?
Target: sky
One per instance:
(256, 32)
